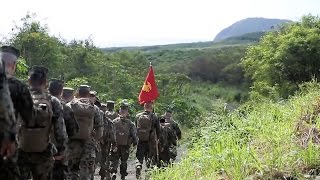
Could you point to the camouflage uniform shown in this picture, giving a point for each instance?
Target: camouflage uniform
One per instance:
(147, 149)
(40, 164)
(167, 139)
(60, 167)
(122, 124)
(108, 140)
(176, 128)
(23, 106)
(81, 153)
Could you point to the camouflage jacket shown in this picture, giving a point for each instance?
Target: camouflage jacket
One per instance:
(59, 127)
(72, 126)
(155, 121)
(111, 115)
(109, 131)
(22, 101)
(167, 135)
(133, 138)
(175, 127)
(98, 124)
(18, 104)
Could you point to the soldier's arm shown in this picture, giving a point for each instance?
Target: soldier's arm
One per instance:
(133, 133)
(177, 130)
(21, 99)
(59, 126)
(72, 126)
(173, 137)
(156, 124)
(112, 132)
(98, 124)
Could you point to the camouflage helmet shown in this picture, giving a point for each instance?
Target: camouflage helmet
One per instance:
(124, 104)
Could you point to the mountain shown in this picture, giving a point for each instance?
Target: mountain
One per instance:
(249, 25)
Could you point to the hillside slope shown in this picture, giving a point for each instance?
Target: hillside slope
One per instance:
(249, 25)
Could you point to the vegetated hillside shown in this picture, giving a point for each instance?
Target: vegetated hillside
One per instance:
(249, 25)
(261, 140)
(245, 39)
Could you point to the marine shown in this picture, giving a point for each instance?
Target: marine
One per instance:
(175, 126)
(148, 129)
(126, 136)
(108, 140)
(82, 146)
(16, 105)
(167, 139)
(36, 151)
(60, 167)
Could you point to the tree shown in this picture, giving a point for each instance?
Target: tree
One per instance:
(285, 58)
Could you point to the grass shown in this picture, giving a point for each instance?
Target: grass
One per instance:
(259, 141)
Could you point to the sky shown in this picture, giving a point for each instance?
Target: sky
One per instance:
(112, 23)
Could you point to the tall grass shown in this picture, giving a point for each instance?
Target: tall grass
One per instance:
(257, 141)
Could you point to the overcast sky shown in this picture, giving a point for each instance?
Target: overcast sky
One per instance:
(147, 22)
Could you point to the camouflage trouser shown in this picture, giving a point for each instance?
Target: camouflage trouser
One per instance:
(122, 153)
(81, 159)
(9, 169)
(143, 154)
(39, 165)
(105, 160)
(59, 171)
(164, 156)
(173, 153)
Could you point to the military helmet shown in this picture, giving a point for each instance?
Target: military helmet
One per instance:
(110, 102)
(124, 104)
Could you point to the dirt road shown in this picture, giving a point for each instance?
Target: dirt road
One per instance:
(182, 151)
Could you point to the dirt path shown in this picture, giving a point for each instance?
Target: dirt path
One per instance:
(182, 151)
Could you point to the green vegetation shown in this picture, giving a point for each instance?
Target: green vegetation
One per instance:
(191, 77)
(285, 58)
(267, 137)
(260, 139)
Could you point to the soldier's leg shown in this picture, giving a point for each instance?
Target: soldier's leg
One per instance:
(43, 165)
(74, 153)
(87, 161)
(24, 164)
(104, 161)
(114, 162)
(9, 169)
(140, 154)
(124, 158)
(173, 153)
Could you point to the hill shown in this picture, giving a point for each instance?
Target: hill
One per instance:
(249, 25)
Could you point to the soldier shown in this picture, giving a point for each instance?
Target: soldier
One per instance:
(110, 113)
(35, 148)
(67, 94)
(125, 136)
(108, 141)
(82, 146)
(175, 126)
(60, 167)
(148, 128)
(167, 139)
(23, 111)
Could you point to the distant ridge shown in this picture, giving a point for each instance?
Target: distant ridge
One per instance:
(249, 25)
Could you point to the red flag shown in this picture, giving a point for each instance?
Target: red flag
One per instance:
(149, 90)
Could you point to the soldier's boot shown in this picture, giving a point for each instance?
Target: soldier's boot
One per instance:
(138, 171)
(114, 176)
(123, 177)
(102, 177)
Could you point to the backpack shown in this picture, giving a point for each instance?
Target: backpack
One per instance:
(122, 131)
(35, 135)
(144, 126)
(84, 113)
(165, 138)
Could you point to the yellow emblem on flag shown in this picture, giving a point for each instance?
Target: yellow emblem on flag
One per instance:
(147, 87)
